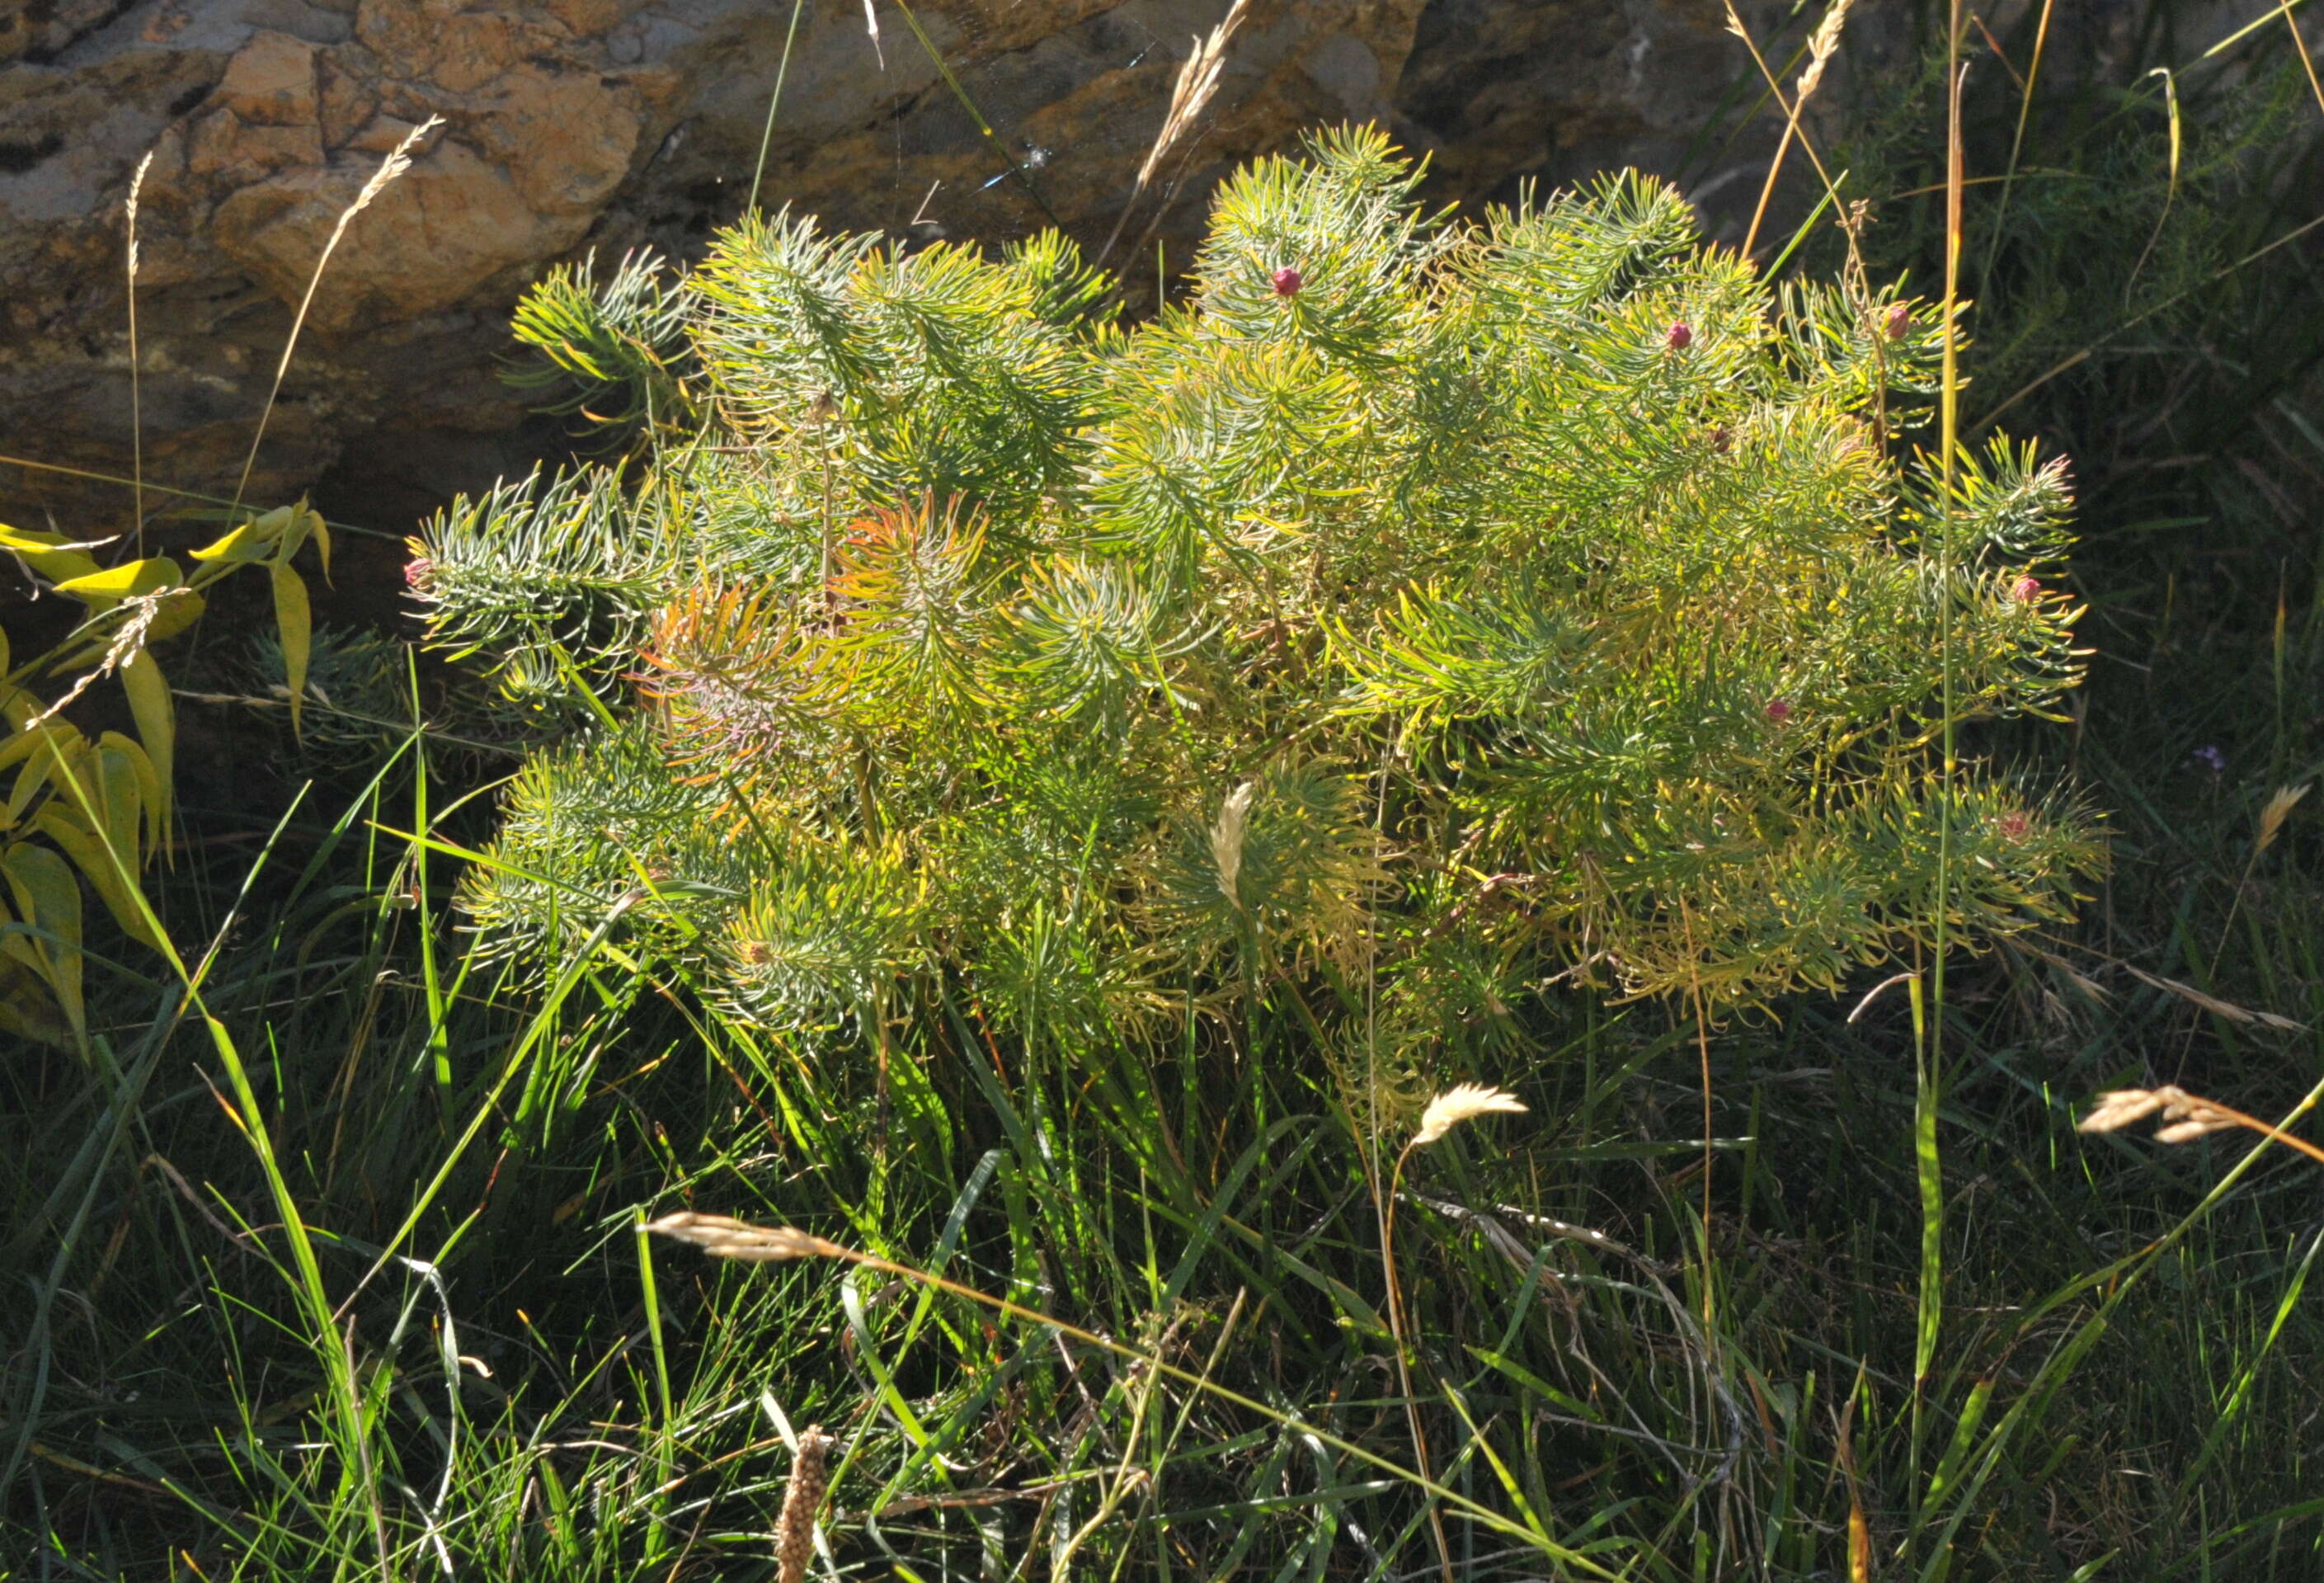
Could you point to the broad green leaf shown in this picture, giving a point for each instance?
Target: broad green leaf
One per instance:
(47, 897)
(296, 624)
(71, 831)
(157, 726)
(122, 774)
(23, 742)
(46, 750)
(125, 582)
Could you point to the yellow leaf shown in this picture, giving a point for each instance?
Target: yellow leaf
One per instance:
(302, 520)
(49, 898)
(250, 542)
(322, 531)
(48, 554)
(70, 830)
(127, 580)
(157, 726)
(296, 625)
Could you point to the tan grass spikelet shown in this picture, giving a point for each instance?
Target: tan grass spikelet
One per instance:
(1463, 1101)
(1822, 44)
(802, 1498)
(136, 401)
(2187, 1117)
(2190, 1115)
(2278, 808)
(1189, 95)
(1227, 839)
(723, 1237)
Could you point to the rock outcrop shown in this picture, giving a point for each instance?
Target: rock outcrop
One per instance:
(574, 124)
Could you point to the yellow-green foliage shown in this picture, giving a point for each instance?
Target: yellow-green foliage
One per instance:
(99, 809)
(1457, 604)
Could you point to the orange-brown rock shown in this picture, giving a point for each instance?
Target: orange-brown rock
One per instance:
(574, 124)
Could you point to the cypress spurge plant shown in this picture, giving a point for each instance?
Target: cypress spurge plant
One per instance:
(1421, 611)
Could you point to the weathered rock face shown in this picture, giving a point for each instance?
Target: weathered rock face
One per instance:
(572, 125)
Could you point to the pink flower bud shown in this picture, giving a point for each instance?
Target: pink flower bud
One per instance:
(1778, 710)
(1721, 440)
(416, 573)
(2025, 590)
(2014, 825)
(1899, 320)
(1681, 336)
(1288, 282)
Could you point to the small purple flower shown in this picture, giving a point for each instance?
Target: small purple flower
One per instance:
(2210, 756)
(1722, 440)
(1681, 336)
(2025, 589)
(1778, 710)
(1899, 320)
(1288, 282)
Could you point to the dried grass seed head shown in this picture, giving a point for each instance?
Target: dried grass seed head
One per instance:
(2190, 1115)
(727, 1238)
(1463, 1102)
(802, 1497)
(1190, 95)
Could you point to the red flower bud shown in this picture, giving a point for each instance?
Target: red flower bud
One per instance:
(1900, 319)
(1721, 440)
(1681, 336)
(416, 573)
(1778, 710)
(2014, 825)
(2025, 590)
(1288, 282)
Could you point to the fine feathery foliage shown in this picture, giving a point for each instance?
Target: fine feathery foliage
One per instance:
(1423, 608)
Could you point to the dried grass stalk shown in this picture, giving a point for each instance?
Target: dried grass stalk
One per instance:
(2187, 1117)
(1822, 44)
(1189, 95)
(136, 403)
(397, 161)
(727, 1238)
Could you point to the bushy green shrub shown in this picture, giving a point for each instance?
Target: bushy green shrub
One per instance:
(1440, 607)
